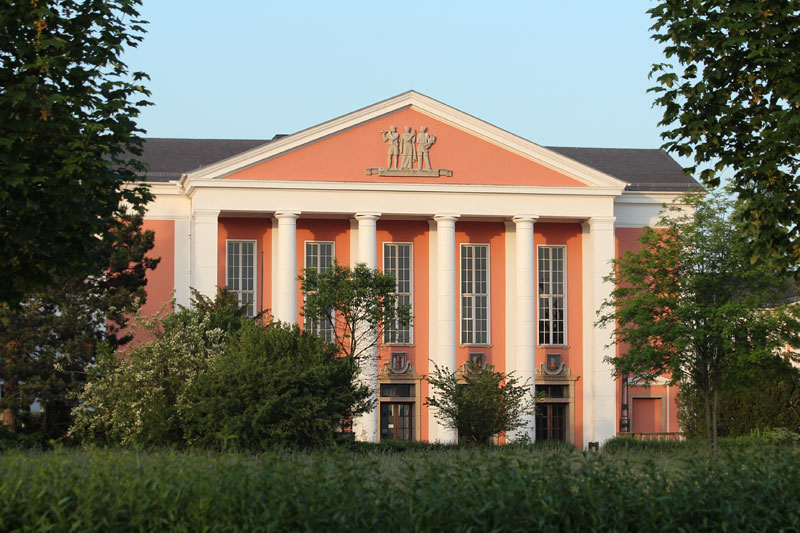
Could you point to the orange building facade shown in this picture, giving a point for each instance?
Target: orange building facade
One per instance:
(499, 245)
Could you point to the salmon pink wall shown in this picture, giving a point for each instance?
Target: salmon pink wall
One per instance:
(417, 233)
(310, 229)
(255, 229)
(627, 240)
(346, 156)
(161, 281)
(550, 234)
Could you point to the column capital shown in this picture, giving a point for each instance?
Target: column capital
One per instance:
(600, 223)
(517, 219)
(367, 215)
(446, 217)
(287, 214)
(205, 213)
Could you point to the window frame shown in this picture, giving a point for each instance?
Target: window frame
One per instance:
(563, 296)
(488, 294)
(328, 332)
(240, 291)
(410, 293)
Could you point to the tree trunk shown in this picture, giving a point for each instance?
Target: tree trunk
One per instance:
(8, 416)
(709, 424)
(714, 434)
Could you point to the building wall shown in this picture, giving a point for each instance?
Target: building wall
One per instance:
(649, 404)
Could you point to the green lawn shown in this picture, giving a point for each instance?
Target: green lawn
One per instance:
(510, 488)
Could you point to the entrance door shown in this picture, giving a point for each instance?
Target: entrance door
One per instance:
(551, 421)
(396, 421)
(647, 415)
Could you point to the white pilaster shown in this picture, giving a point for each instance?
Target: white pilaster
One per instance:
(366, 425)
(182, 276)
(285, 308)
(447, 330)
(204, 251)
(525, 356)
(599, 388)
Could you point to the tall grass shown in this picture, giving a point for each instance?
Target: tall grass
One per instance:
(477, 489)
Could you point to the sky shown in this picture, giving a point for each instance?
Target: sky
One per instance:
(569, 73)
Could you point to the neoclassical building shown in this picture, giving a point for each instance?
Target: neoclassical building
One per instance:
(499, 245)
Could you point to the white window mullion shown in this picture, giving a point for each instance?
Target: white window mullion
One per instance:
(319, 257)
(398, 260)
(475, 317)
(240, 275)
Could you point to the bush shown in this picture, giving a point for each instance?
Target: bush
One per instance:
(273, 385)
(136, 400)
(485, 404)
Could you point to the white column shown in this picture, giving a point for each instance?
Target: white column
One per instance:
(525, 356)
(366, 425)
(204, 251)
(285, 308)
(447, 330)
(599, 397)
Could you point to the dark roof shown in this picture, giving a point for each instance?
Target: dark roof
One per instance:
(167, 159)
(645, 170)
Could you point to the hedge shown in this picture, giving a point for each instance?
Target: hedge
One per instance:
(505, 489)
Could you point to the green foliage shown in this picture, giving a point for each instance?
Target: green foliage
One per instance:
(763, 395)
(274, 385)
(47, 343)
(692, 306)
(478, 489)
(357, 302)
(486, 404)
(733, 103)
(68, 107)
(136, 400)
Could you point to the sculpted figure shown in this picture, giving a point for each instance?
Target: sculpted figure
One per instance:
(424, 142)
(408, 152)
(392, 137)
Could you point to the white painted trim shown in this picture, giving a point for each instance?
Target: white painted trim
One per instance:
(312, 185)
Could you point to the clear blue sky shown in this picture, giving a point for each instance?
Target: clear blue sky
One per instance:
(570, 73)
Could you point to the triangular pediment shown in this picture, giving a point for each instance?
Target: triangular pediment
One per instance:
(352, 148)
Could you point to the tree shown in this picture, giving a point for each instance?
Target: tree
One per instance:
(734, 103)
(692, 306)
(755, 397)
(67, 113)
(274, 385)
(357, 303)
(47, 343)
(486, 404)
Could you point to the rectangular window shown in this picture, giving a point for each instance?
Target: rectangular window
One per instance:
(241, 273)
(319, 257)
(397, 260)
(474, 294)
(552, 295)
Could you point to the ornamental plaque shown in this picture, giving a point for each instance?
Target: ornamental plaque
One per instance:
(406, 149)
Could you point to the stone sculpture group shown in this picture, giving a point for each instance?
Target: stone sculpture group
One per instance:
(409, 147)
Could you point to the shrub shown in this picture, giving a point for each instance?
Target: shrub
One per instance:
(135, 400)
(484, 405)
(273, 385)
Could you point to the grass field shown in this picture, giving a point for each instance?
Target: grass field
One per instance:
(654, 488)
